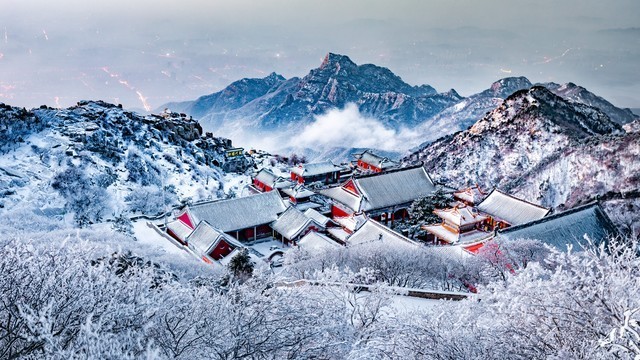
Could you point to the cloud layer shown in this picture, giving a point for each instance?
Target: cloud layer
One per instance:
(350, 129)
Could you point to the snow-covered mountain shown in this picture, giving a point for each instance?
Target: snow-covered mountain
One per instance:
(234, 96)
(275, 103)
(541, 147)
(467, 111)
(99, 161)
(575, 93)
(272, 112)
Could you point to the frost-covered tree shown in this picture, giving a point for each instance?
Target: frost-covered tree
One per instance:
(421, 210)
(141, 171)
(151, 200)
(499, 258)
(71, 297)
(84, 198)
(404, 266)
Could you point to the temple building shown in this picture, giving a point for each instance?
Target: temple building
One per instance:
(470, 196)
(210, 243)
(460, 225)
(292, 225)
(577, 227)
(300, 197)
(384, 197)
(372, 233)
(504, 210)
(323, 172)
(265, 181)
(370, 162)
(245, 218)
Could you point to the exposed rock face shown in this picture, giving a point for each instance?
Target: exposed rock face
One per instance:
(274, 102)
(578, 94)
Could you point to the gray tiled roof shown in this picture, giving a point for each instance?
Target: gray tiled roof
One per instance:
(568, 227)
(314, 242)
(343, 196)
(377, 161)
(510, 209)
(374, 232)
(204, 237)
(291, 222)
(317, 217)
(460, 216)
(240, 213)
(385, 190)
(298, 191)
(319, 168)
(180, 229)
(267, 177)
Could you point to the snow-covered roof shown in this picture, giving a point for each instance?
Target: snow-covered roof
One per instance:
(511, 209)
(454, 252)
(460, 215)
(314, 169)
(378, 161)
(568, 227)
(317, 217)
(291, 223)
(339, 233)
(267, 177)
(240, 213)
(472, 195)
(180, 229)
(384, 190)
(374, 232)
(298, 191)
(453, 237)
(352, 222)
(315, 242)
(205, 237)
(345, 197)
(304, 206)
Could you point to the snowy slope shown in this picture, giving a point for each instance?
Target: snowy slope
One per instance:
(575, 93)
(540, 147)
(98, 156)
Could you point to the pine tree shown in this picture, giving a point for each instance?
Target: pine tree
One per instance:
(240, 265)
(421, 210)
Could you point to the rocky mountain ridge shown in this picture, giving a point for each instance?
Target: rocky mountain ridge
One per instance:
(378, 92)
(280, 107)
(544, 148)
(100, 161)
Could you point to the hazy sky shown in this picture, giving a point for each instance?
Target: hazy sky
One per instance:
(143, 53)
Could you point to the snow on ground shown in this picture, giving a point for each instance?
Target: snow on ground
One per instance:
(149, 237)
(408, 304)
(236, 184)
(269, 246)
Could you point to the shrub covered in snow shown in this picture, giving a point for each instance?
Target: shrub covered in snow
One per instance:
(83, 197)
(68, 298)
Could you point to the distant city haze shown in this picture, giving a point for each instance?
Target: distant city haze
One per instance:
(145, 53)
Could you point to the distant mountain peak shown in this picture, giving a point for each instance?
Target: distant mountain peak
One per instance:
(332, 60)
(539, 105)
(579, 94)
(507, 86)
(275, 76)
